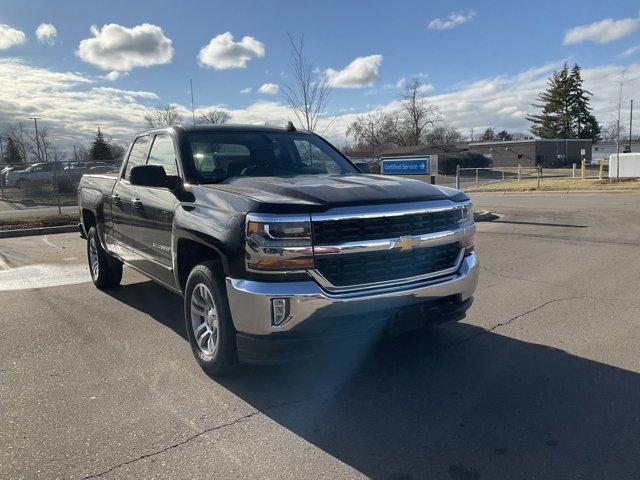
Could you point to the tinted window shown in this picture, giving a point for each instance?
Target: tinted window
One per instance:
(138, 155)
(220, 155)
(162, 153)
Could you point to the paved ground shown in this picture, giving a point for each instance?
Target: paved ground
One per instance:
(541, 381)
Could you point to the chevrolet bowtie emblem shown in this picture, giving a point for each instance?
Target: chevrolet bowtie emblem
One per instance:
(404, 243)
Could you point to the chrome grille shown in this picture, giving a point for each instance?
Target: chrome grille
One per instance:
(384, 266)
(332, 232)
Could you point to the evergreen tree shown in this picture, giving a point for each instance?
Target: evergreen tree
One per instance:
(488, 135)
(100, 148)
(565, 108)
(504, 136)
(585, 124)
(555, 119)
(12, 154)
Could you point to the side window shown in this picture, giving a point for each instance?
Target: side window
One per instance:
(138, 155)
(162, 154)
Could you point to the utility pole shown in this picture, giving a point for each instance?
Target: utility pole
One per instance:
(75, 153)
(620, 82)
(193, 108)
(630, 124)
(35, 121)
(472, 134)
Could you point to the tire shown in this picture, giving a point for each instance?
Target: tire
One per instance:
(210, 330)
(106, 271)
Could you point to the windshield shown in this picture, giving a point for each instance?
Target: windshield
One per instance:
(221, 155)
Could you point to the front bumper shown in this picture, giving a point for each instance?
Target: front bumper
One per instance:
(314, 312)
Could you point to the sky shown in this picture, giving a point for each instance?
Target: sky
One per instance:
(80, 64)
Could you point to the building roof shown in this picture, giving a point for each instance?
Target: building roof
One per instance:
(416, 150)
(531, 140)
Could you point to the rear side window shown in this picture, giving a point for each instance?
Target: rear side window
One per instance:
(162, 154)
(138, 155)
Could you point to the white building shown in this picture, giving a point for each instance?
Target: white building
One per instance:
(629, 165)
(601, 151)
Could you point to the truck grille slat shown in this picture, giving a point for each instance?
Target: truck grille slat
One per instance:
(381, 266)
(331, 232)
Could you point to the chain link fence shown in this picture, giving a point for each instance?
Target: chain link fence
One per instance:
(476, 178)
(48, 184)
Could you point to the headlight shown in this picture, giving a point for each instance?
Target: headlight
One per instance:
(278, 243)
(466, 220)
(466, 214)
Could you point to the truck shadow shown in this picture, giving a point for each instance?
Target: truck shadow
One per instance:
(455, 401)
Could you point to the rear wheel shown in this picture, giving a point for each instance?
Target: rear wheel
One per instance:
(106, 271)
(208, 319)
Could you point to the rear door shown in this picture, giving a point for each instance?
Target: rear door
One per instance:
(152, 215)
(122, 200)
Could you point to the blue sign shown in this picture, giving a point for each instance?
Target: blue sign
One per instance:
(405, 166)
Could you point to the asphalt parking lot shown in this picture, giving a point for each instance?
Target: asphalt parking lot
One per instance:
(540, 381)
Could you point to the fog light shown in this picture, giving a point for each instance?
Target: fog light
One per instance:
(279, 311)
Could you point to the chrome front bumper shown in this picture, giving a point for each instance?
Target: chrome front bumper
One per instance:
(250, 301)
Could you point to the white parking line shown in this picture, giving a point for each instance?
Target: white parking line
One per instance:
(3, 264)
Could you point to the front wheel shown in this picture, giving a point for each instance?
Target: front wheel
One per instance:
(208, 319)
(106, 271)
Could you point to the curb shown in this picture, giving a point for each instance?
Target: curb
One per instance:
(549, 192)
(29, 232)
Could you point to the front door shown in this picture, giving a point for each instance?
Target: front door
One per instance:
(152, 216)
(122, 201)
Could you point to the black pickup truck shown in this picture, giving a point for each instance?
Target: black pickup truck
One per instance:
(278, 244)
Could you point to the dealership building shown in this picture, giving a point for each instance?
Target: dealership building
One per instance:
(533, 152)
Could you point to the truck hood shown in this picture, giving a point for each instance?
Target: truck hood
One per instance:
(336, 190)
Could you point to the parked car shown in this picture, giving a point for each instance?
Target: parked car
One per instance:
(38, 173)
(7, 169)
(278, 244)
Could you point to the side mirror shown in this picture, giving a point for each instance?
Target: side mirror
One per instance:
(364, 167)
(148, 176)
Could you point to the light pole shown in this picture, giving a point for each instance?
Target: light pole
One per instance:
(35, 121)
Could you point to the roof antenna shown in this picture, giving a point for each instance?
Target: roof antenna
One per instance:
(290, 127)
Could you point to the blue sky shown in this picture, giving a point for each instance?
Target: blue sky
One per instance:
(498, 51)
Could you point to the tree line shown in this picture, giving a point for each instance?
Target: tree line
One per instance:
(20, 145)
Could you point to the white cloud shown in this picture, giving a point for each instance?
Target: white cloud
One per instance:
(114, 75)
(72, 105)
(269, 88)
(9, 37)
(46, 34)
(426, 88)
(114, 47)
(222, 53)
(629, 51)
(362, 72)
(602, 31)
(244, 91)
(453, 20)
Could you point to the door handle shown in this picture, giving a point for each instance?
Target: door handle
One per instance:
(137, 203)
(116, 198)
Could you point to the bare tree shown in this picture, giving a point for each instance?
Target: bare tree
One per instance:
(162, 116)
(20, 136)
(613, 130)
(306, 95)
(40, 146)
(443, 134)
(372, 129)
(215, 116)
(415, 114)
